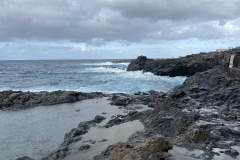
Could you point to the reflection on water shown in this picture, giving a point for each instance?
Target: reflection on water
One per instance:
(119, 133)
(38, 131)
(222, 156)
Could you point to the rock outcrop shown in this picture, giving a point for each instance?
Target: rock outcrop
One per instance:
(184, 66)
(203, 110)
(24, 158)
(18, 99)
(149, 149)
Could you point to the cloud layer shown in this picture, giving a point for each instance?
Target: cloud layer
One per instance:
(98, 22)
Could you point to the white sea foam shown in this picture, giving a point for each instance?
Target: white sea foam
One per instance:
(105, 70)
(133, 74)
(107, 77)
(108, 80)
(105, 64)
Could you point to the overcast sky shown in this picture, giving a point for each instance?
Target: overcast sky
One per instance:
(83, 29)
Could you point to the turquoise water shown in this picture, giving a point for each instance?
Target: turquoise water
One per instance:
(80, 75)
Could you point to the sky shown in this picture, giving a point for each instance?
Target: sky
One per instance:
(116, 29)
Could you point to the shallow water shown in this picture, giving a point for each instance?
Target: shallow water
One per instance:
(38, 131)
(115, 134)
(223, 156)
(180, 153)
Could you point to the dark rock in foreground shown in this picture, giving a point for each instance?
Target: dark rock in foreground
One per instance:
(232, 153)
(18, 99)
(84, 147)
(151, 98)
(149, 149)
(24, 158)
(99, 119)
(204, 110)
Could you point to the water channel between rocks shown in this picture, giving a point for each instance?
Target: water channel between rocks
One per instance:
(38, 131)
(119, 133)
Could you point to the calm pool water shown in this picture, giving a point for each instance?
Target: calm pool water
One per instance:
(38, 131)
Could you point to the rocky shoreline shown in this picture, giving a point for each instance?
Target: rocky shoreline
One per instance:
(202, 113)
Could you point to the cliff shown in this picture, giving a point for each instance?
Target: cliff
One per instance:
(184, 66)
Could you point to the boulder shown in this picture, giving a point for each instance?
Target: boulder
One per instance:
(232, 152)
(24, 158)
(84, 147)
(137, 64)
(150, 149)
(99, 119)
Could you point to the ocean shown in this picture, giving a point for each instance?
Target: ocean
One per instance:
(108, 76)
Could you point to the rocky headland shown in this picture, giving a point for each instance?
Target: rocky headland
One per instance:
(184, 66)
(203, 113)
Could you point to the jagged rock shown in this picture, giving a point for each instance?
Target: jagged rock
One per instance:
(103, 140)
(197, 134)
(204, 99)
(76, 133)
(99, 119)
(18, 99)
(151, 149)
(232, 152)
(84, 147)
(124, 100)
(24, 158)
(120, 100)
(113, 122)
(137, 64)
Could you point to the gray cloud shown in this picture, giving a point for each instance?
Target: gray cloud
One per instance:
(176, 9)
(97, 22)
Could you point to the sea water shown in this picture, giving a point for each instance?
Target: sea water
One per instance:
(80, 75)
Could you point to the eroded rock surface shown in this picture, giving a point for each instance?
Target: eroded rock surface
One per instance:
(18, 99)
(149, 149)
